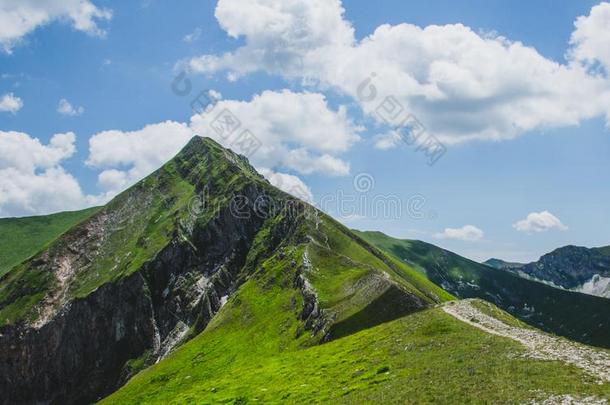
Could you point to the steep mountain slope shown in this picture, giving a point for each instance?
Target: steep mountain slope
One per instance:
(581, 317)
(21, 238)
(147, 272)
(572, 268)
(253, 352)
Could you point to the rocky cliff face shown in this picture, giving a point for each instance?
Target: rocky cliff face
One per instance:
(80, 353)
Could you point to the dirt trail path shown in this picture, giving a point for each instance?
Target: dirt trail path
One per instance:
(539, 345)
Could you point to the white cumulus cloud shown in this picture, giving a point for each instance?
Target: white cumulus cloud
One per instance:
(32, 180)
(591, 46)
(291, 184)
(19, 18)
(125, 157)
(591, 38)
(278, 34)
(10, 103)
(539, 222)
(297, 132)
(466, 233)
(64, 107)
(461, 84)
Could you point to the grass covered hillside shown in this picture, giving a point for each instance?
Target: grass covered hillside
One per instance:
(253, 352)
(21, 238)
(577, 316)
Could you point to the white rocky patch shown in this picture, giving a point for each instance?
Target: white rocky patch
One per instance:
(598, 285)
(570, 400)
(539, 345)
(175, 337)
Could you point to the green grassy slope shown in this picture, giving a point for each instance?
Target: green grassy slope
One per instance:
(21, 238)
(577, 316)
(251, 353)
(145, 216)
(259, 347)
(358, 286)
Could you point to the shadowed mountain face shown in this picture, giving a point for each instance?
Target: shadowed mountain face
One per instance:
(577, 316)
(135, 279)
(571, 267)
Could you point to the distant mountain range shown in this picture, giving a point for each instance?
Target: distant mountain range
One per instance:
(571, 267)
(203, 283)
(545, 307)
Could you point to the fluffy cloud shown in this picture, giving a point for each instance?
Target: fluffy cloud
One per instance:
(65, 108)
(462, 85)
(19, 18)
(466, 233)
(591, 39)
(10, 103)
(280, 121)
(20, 151)
(126, 157)
(591, 46)
(32, 180)
(539, 222)
(278, 35)
(289, 183)
(296, 131)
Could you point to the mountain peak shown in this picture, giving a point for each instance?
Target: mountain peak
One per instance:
(197, 141)
(198, 145)
(203, 149)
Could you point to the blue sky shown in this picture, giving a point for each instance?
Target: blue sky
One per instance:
(121, 71)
